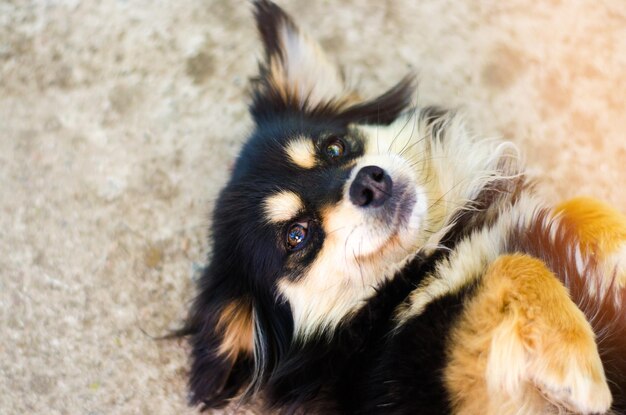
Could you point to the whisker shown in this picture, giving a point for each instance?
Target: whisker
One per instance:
(408, 120)
(415, 123)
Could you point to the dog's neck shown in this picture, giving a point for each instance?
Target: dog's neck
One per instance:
(463, 174)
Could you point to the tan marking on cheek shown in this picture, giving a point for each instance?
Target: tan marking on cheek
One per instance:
(301, 152)
(282, 206)
(345, 217)
(235, 323)
(320, 303)
(522, 334)
(336, 217)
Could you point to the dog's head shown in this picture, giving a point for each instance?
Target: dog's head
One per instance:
(330, 196)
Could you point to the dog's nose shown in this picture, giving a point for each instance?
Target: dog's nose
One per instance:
(371, 187)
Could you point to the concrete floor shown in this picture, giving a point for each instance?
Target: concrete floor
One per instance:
(119, 119)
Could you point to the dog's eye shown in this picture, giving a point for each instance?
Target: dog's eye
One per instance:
(335, 148)
(296, 236)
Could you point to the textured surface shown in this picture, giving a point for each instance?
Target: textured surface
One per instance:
(119, 120)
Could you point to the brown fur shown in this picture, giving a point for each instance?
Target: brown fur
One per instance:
(600, 228)
(235, 322)
(521, 333)
(602, 233)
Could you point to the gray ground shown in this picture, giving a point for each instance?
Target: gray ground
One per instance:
(119, 120)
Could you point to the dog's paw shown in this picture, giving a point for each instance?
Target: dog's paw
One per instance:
(536, 347)
(569, 373)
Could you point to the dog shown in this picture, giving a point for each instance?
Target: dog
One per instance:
(370, 256)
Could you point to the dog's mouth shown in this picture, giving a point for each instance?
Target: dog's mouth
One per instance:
(398, 212)
(405, 208)
(380, 216)
(393, 224)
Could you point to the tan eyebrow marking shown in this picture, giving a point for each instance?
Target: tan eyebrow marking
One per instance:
(282, 206)
(301, 152)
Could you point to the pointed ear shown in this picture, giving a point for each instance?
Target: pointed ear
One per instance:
(384, 109)
(296, 73)
(221, 337)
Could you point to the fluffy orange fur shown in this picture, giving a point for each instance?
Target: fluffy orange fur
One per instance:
(522, 339)
(602, 233)
(601, 229)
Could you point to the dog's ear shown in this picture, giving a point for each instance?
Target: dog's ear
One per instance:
(221, 334)
(296, 73)
(384, 109)
(236, 340)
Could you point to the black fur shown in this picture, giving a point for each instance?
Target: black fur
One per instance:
(269, 18)
(368, 366)
(384, 109)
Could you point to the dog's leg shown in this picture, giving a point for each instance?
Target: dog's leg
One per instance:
(522, 346)
(602, 233)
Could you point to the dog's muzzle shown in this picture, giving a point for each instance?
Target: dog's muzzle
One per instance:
(371, 187)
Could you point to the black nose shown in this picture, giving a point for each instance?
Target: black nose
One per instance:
(371, 187)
